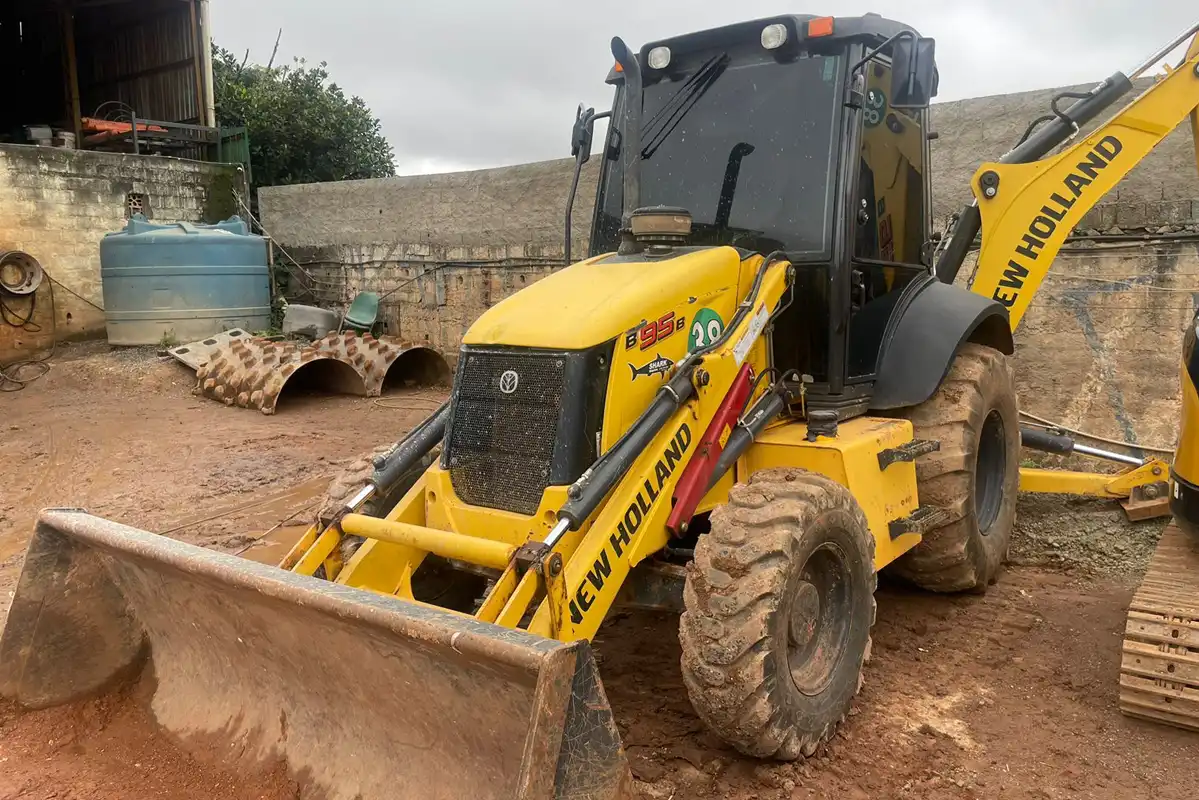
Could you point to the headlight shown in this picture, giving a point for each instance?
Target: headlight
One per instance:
(774, 36)
(659, 57)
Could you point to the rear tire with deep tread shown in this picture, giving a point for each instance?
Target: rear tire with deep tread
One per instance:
(741, 628)
(975, 475)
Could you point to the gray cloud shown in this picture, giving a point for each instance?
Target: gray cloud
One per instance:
(460, 84)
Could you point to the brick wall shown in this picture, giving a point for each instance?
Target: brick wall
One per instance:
(57, 204)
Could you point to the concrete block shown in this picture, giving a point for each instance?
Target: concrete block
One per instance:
(1133, 215)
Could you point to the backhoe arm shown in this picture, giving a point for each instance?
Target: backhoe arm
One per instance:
(1028, 209)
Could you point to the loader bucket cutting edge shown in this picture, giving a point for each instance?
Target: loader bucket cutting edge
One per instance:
(362, 694)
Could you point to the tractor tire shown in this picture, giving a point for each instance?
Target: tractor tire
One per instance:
(778, 606)
(975, 475)
(435, 581)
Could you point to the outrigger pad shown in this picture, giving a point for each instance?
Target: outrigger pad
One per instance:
(363, 695)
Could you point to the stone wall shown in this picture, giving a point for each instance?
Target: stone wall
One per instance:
(1099, 348)
(57, 204)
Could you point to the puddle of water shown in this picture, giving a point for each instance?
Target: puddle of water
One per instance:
(273, 545)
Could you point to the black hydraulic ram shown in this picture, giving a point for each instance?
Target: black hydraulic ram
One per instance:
(585, 494)
(1056, 130)
(1061, 445)
(404, 456)
(753, 422)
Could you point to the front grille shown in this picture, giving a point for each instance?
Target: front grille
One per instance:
(501, 445)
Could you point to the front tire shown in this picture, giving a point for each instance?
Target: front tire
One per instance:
(975, 475)
(779, 602)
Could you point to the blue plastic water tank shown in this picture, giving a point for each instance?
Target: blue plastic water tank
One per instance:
(183, 281)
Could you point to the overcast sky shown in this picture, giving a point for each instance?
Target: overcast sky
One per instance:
(461, 84)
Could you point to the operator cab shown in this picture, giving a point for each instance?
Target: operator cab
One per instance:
(802, 135)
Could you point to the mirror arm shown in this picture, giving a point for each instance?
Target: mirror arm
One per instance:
(582, 155)
(874, 53)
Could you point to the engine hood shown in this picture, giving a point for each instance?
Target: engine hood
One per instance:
(596, 300)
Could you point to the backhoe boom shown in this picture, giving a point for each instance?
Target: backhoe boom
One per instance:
(1029, 209)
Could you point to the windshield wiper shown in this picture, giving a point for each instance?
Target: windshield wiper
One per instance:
(659, 127)
(732, 171)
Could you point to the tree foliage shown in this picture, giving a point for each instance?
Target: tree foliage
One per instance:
(302, 127)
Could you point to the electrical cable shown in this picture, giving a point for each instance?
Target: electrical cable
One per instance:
(11, 379)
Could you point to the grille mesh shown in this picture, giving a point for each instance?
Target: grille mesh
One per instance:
(501, 445)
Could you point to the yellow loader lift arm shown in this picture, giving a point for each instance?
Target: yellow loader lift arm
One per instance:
(1026, 205)
(614, 515)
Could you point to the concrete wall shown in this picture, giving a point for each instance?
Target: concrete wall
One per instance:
(523, 205)
(57, 204)
(1099, 349)
(441, 249)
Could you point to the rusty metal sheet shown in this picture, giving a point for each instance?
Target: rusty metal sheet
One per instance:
(253, 372)
(362, 695)
(197, 354)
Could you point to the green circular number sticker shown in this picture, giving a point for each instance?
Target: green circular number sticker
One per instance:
(876, 106)
(706, 328)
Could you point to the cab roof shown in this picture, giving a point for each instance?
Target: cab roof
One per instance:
(871, 29)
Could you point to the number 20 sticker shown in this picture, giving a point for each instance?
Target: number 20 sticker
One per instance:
(706, 328)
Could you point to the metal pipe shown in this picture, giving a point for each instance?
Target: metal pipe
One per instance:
(557, 533)
(1107, 455)
(1164, 51)
(456, 546)
(206, 54)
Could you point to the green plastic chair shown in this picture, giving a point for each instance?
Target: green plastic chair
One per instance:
(363, 313)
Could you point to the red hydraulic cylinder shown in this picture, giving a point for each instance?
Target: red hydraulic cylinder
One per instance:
(693, 484)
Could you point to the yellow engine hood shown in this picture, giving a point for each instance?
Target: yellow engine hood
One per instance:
(596, 300)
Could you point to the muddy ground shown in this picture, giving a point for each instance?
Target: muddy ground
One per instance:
(1010, 695)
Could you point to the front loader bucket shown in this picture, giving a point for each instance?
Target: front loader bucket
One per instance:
(363, 695)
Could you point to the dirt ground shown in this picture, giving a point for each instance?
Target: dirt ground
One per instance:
(1009, 695)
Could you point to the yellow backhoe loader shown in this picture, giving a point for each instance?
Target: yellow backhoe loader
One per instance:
(760, 389)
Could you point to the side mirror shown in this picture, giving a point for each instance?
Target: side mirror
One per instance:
(580, 139)
(913, 72)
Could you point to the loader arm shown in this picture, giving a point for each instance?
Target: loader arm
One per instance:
(1028, 209)
(567, 575)
(631, 524)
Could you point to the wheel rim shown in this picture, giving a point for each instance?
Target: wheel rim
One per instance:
(989, 471)
(818, 619)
